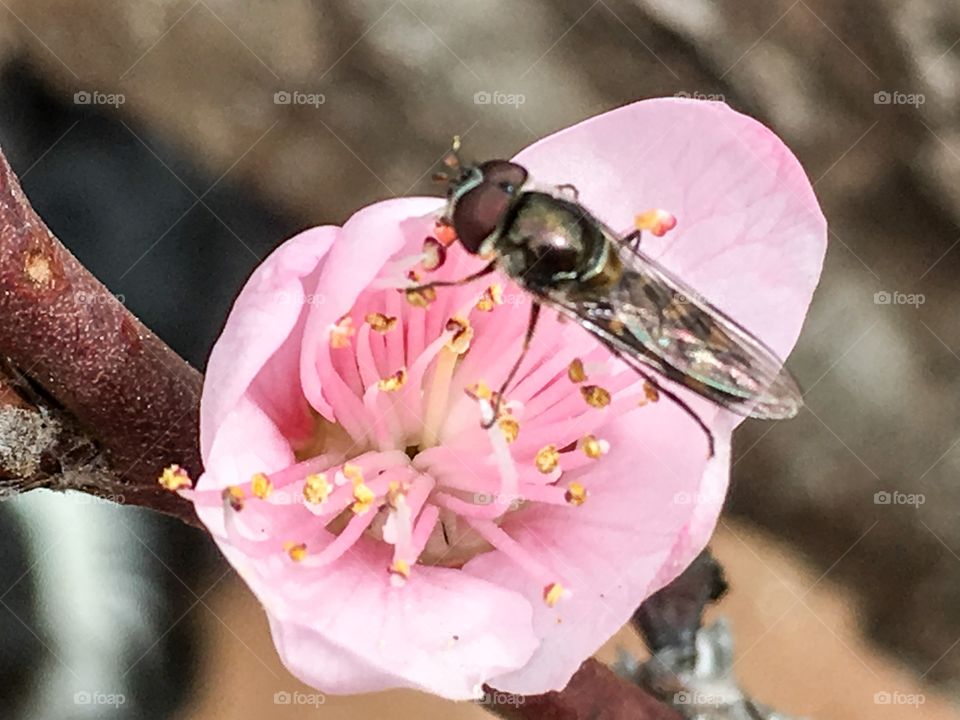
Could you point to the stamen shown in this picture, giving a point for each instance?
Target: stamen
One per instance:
(317, 489)
(399, 571)
(234, 497)
(421, 297)
(296, 551)
(364, 497)
(547, 459)
(650, 392)
(479, 391)
(552, 594)
(381, 323)
(438, 395)
(445, 233)
(657, 221)
(341, 332)
(434, 254)
(492, 297)
(576, 494)
(462, 334)
(595, 396)
(576, 372)
(594, 448)
(175, 477)
(394, 382)
(509, 426)
(261, 486)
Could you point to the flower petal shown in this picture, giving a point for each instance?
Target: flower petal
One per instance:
(368, 239)
(443, 632)
(610, 551)
(262, 318)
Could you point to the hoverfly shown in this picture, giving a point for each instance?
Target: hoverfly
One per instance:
(567, 259)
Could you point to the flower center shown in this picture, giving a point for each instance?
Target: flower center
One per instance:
(408, 466)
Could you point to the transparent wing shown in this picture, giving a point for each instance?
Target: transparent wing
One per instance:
(652, 318)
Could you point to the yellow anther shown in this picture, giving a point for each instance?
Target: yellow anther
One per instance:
(363, 496)
(419, 297)
(341, 332)
(462, 334)
(576, 494)
(296, 551)
(651, 392)
(575, 372)
(595, 396)
(552, 594)
(479, 391)
(657, 221)
(395, 492)
(316, 489)
(175, 477)
(394, 382)
(547, 459)
(353, 473)
(592, 447)
(400, 567)
(261, 486)
(492, 297)
(381, 323)
(509, 426)
(434, 254)
(234, 497)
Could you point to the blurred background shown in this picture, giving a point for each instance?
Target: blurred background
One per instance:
(171, 144)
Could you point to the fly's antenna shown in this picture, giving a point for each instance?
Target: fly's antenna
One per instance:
(452, 161)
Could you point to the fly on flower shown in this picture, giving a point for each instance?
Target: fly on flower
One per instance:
(567, 259)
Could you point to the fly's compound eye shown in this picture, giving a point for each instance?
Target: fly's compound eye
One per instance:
(508, 176)
(478, 213)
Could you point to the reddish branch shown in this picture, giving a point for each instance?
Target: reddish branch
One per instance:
(115, 379)
(91, 400)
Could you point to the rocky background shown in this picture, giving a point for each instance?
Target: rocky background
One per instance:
(261, 117)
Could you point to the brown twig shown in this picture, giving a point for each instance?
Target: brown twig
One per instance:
(124, 389)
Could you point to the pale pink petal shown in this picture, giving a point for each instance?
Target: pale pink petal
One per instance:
(263, 316)
(612, 548)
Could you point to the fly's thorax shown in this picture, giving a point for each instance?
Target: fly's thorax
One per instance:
(545, 240)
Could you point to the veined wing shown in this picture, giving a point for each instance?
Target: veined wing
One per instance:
(652, 318)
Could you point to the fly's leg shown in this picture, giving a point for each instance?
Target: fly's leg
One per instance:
(485, 270)
(527, 338)
(682, 404)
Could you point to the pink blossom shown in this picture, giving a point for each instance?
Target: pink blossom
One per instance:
(392, 540)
